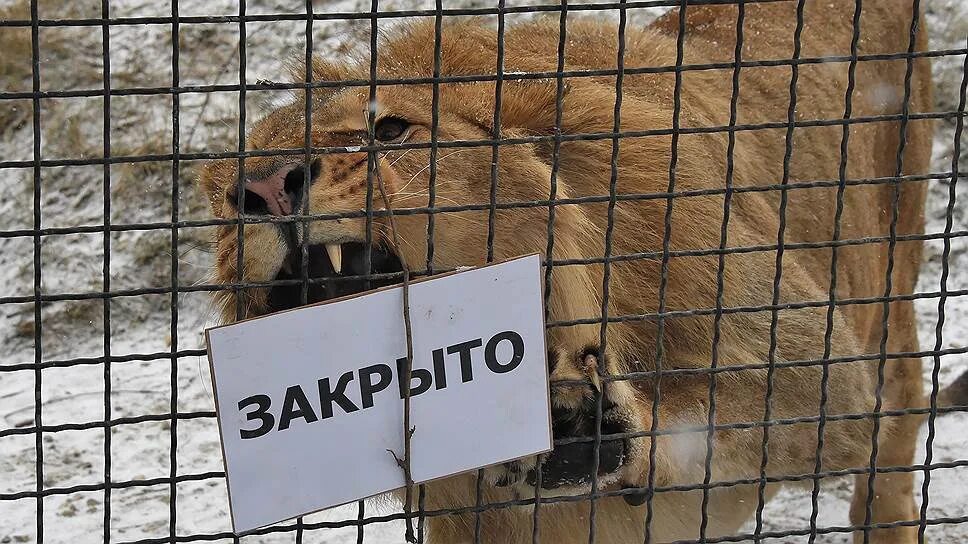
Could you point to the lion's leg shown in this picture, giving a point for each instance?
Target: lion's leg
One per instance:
(893, 498)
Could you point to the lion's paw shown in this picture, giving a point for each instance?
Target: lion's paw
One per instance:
(572, 463)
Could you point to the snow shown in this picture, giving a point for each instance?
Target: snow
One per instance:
(140, 56)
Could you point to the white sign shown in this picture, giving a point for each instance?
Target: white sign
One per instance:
(309, 400)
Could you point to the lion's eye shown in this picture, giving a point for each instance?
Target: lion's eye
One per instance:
(390, 129)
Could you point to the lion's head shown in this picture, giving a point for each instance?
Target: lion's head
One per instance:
(470, 192)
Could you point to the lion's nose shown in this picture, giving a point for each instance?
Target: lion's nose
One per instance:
(279, 194)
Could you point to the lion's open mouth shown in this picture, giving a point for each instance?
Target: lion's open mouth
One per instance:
(324, 281)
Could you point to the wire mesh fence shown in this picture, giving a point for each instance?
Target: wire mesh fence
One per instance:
(733, 200)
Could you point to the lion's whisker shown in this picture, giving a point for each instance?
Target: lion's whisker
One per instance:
(402, 155)
(407, 243)
(461, 217)
(425, 168)
(426, 191)
(411, 196)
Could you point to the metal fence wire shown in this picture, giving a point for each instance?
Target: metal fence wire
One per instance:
(765, 400)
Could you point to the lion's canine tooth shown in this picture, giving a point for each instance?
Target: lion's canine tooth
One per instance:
(335, 257)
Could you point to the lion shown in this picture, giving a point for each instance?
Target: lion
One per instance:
(708, 322)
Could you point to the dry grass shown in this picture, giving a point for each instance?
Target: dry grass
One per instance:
(60, 64)
(15, 68)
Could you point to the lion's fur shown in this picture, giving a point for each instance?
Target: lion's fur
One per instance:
(643, 167)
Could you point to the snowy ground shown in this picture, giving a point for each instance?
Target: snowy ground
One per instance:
(140, 56)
